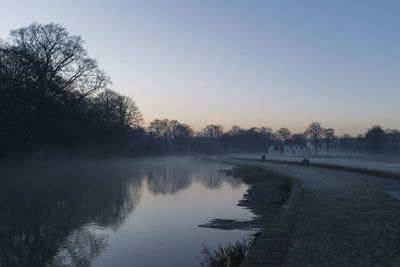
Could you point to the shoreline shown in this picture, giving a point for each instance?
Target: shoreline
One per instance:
(340, 218)
(267, 192)
(275, 222)
(270, 248)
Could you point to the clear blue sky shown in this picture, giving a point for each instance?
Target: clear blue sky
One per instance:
(251, 63)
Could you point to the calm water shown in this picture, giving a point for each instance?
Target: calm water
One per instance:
(119, 213)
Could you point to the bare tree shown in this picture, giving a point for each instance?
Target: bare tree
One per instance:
(393, 138)
(345, 142)
(329, 134)
(173, 128)
(105, 103)
(160, 128)
(175, 134)
(183, 131)
(129, 113)
(213, 131)
(117, 109)
(282, 134)
(375, 139)
(299, 138)
(359, 143)
(59, 58)
(315, 131)
(53, 93)
(266, 131)
(235, 130)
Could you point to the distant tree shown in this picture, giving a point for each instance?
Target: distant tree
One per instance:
(179, 134)
(160, 128)
(175, 134)
(213, 131)
(375, 139)
(299, 139)
(118, 110)
(282, 135)
(183, 131)
(232, 139)
(129, 113)
(235, 130)
(172, 128)
(329, 134)
(393, 138)
(315, 131)
(345, 142)
(251, 140)
(267, 136)
(359, 143)
(266, 132)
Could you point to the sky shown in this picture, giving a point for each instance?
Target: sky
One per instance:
(249, 63)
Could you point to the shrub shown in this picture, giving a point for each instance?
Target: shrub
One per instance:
(230, 256)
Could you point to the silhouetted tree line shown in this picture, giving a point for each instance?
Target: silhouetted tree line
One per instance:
(55, 97)
(318, 139)
(250, 140)
(376, 140)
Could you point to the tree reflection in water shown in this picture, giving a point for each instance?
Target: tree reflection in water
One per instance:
(45, 208)
(58, 213)
(175, 175)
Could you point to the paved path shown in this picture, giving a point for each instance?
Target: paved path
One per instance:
(373, 164)
(345, 218)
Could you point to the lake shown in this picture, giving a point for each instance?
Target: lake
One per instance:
(116, 212)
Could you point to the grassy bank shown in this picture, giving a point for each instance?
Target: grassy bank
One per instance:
(266, 194)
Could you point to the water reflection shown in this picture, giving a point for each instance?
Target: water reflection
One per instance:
(80, 248)
(60, 213)
(168, 180)
(172, 176)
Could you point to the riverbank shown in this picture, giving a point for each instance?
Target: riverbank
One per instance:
(274, 198)
(266, 193)
(342, 220)
(269, 249)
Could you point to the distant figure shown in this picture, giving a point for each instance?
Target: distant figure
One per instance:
(304, 161)
(263, 158)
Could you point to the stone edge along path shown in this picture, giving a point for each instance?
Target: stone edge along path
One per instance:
(270, 248)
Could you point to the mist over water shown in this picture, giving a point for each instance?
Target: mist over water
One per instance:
(116, 212)
(306, 90)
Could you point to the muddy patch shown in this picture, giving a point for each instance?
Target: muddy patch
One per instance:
(267, 192)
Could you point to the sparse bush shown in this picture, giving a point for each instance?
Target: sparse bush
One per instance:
(230, 256)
